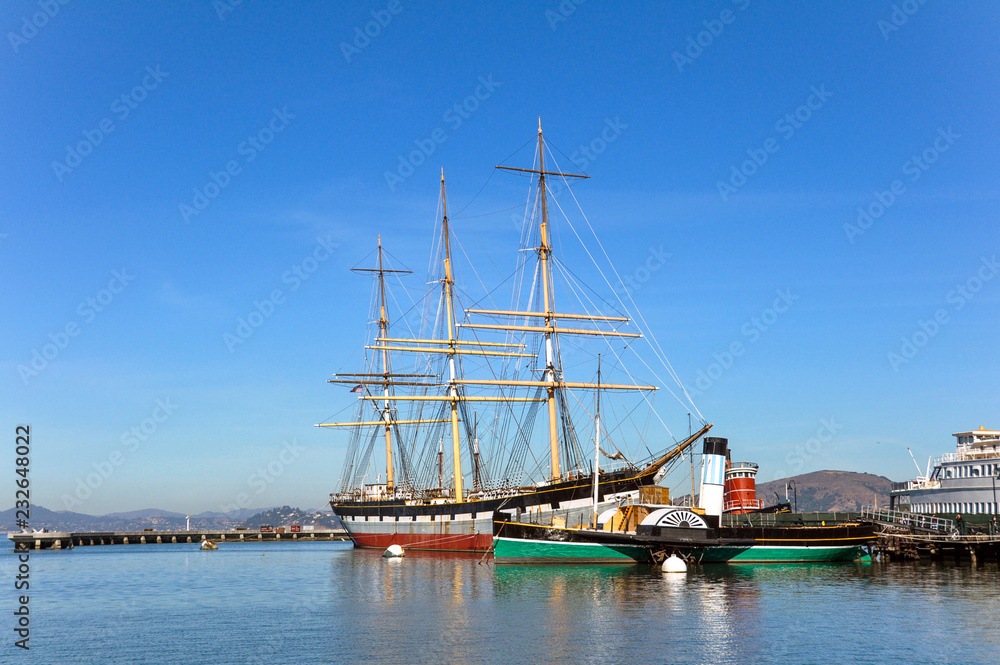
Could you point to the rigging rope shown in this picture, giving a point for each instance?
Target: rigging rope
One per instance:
(656, 345)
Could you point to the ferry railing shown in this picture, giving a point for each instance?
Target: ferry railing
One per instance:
(967, 454)
(747, 504)
(920, 483)
(788, 519)
(912, 521)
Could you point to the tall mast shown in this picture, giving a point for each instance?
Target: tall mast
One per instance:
(544, 250)
(449, 302)
(550, 368)
(692, 461)
(476, 485)
(441, 464)
(597, 437)
(386, 378)
(383, 331)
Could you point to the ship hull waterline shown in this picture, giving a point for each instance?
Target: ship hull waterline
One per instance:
(468, 526)
(539, 543)
(520, 551)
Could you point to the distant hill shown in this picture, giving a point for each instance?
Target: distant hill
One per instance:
(823, 491)
(286, 516)
(148, 513)
(41, 517)
(134, 520)
(830, 491)
(238, 514)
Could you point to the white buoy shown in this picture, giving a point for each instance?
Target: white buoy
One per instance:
(674, 564)
(393, 551)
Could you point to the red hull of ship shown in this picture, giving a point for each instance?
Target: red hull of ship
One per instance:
(480, 542)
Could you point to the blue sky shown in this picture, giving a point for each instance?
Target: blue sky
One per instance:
(118, 117)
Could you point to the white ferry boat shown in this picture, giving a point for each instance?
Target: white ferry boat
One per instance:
(964, 481)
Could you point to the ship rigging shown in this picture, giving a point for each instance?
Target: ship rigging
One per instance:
(473, 382)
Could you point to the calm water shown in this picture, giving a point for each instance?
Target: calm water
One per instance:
(324, 602)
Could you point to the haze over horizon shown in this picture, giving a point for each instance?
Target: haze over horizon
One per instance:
(802, 202)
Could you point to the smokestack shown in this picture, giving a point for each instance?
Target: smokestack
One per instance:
(713, 476)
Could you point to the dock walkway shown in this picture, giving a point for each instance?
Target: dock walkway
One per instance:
(65, 540)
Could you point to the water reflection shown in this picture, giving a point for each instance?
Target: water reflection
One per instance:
(745, 612)
(325, 602)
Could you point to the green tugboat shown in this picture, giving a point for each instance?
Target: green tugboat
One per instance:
(730, 525)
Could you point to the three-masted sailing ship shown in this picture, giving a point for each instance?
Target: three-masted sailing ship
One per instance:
(487, 369)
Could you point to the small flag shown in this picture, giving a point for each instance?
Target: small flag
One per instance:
(357, 388)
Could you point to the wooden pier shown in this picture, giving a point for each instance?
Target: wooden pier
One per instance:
(57, 540)
(901, 546)
(912, 536)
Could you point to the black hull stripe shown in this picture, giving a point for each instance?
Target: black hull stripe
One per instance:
(547, 498)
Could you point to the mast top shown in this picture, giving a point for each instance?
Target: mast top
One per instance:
(380, 269)
(541, 171)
